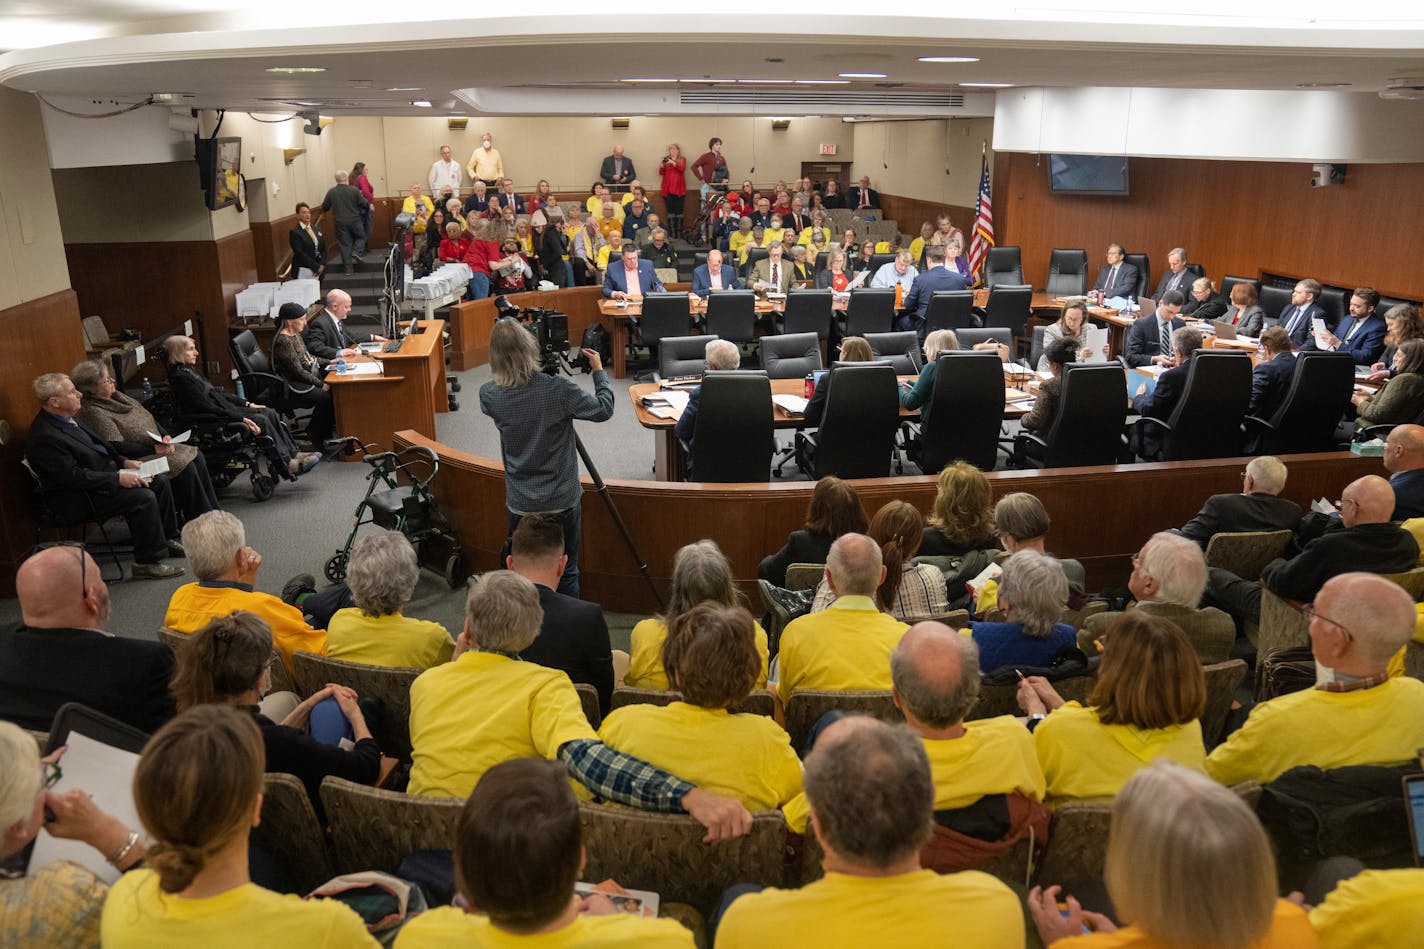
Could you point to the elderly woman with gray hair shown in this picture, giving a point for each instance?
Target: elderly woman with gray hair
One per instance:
(1032, 593)
(128, 428)
(382, 574)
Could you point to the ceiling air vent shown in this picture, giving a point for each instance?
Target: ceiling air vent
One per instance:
(818, 100)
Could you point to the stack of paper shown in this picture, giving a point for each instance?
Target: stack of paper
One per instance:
(790, 404)
(666, 403)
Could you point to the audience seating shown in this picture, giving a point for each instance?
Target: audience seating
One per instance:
(856, 438)
(966, 408)
(950, 310)
(1222, 681)
(804, 576)
(291, 833)
(588, 698)
(1088, 427)
(870, 310)
(996, 699)
(373, 829)
(683, 355)
(808, 311)
(731, 314)
(1207, 419)
(47, 519)
(665, 853)
(757, 702)
(1283, 626)
(389, 684)
(1067, 273)
(1414, 660)
(791, 356)
(1246, 553)
(807, 706)
(1144, 272)
(1003, 264)
(1076, 618)
(1306, 421)
(281, 679)
(733, 440)
(896, 348)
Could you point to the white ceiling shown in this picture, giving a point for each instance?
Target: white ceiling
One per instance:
(571, 62)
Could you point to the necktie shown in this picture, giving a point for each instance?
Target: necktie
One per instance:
(341, 334)
(1166, 341)
(1353, 326)
(1294, 318)
(775, 276)
(1112, 278)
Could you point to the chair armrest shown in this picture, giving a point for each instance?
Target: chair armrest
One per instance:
(1030, 437)
(1252, 421)
(1147, 419)
(1373, 431)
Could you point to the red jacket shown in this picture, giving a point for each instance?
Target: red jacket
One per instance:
(454, 250)
(674, 181)
(479, 254)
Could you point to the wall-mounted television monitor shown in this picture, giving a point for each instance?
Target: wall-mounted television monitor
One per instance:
(1087, 174)
(219, 164)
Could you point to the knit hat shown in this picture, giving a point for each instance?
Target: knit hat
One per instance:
(290, 311)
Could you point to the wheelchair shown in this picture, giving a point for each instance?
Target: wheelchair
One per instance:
(229, 447)
(398, 498)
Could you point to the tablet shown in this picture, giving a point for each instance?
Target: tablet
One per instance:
(1414, 805)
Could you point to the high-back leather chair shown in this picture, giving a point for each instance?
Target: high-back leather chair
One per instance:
(1144, 272)
(790, 356)
(1003, 265)
(1207, 418)
(870, 311)
(965, 411)
(1009, 305)
(1067, 272)
(879, 260)
(1229, 281)
(1088, 427)
(753, 255)
(896, 348)
(857, 434)
(1333, 301)
(731, 314)
(950, 310)
(1319, 392)
(808, 311)
(1273, 300)
(683, 356)
(973, 336)
(254, 371)
(733, 440)
(1035, 349)
(664, 315)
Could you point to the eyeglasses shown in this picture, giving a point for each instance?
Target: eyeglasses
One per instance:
(52, 774)
(83, 561)
(1310, 613)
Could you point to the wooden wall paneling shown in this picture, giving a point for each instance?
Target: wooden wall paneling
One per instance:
(235, 268)
(41, 335)
(271, 245)
(910, 213)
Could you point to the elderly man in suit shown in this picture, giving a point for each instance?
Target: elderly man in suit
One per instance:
(1117, 279)
(631, 278)
(617, 170)
(1404, 460)
(1255, 508)
(1146, 438)
(1177, 277)
(84, 478)
(774, 273)
(308, 246)
(862, 197)
(1271, 379)
(1299, 318)
(326, 336)
(935, 277)
(1149, 339)
(1361, 334)
(714, 275)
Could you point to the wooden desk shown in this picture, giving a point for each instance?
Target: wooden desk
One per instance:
(669, 463)
(407, 394)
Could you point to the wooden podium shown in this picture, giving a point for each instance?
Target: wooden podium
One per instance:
(406, 395)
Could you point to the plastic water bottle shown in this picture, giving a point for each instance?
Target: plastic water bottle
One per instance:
(341, 365)
(147, 390)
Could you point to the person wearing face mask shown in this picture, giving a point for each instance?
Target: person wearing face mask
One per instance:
(486, 164)
(1356, 714)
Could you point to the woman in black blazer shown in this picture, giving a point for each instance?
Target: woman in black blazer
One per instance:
(835, 510)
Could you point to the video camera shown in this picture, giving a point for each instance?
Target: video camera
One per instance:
(549, 328)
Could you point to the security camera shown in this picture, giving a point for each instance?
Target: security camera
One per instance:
(1323, 175)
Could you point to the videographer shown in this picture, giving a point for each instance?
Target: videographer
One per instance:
(534, 413)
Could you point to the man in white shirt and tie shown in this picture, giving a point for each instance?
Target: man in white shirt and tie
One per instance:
(772, 274)
(445, 176)
(1117, 279)
(1297, 318)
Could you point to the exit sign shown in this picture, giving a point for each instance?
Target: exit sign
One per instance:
(828, 149)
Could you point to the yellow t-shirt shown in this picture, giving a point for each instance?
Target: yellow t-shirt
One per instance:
(745, 756)
(193, 606)
(1082, 757)
(449, 928)
(736, 242)
(137, 914)
(1383, 725)
(1396, 662)
(601, 258)
(970, 910)
(773, 235)
(595, 207)
(844, 648)
(391, 640)
(408, 206)
(1290, 929)
(917, 247)
(645, 666)
(1377, 908)
(468, 715)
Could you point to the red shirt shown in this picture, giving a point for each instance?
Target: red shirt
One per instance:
(674, 181)
(706, 163)
(454, 250)
(479, 254)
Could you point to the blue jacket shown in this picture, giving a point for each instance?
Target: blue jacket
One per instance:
(927, 284)
(702, 280)
(1270, 381)
(1408, 494)
(613, 278)
(1302, 332)
(1144, 340)
(1365, 346)
(1004, 644)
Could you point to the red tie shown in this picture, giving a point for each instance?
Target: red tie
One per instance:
(775, 276)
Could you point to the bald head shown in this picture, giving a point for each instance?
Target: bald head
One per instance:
(61, 587)
(1404, 449)
(935, 672)
(1368, 500)
(854, 566)
(1378, 615)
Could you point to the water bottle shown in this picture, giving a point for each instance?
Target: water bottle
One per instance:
(147, 390)
(241, 390)
(810, 388)
(340, 365)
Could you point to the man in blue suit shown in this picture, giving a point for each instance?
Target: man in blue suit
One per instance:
(1404, 460)
(1361, 334)
(702, 278)
(1149, 339)
(1117, 279)
(935, 277)
(1298, 318)
(1271, 379)
(630, 277)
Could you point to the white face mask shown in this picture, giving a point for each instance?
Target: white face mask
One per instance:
(488, 144)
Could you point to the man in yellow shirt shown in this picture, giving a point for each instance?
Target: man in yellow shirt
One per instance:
(874, 892)
(1375, 908)
(486, 164)
(226, 568)
(845, 647)
(1356, 714)
(420, 205)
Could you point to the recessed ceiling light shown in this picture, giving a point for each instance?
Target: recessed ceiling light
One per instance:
(862, 75)
(949, 59)
(291, 70)
(987, 85)
(728, 81)
(1321, 85)
(404, 89)
(822, 82)
(420, 103)
(766, 82)
(647, 80)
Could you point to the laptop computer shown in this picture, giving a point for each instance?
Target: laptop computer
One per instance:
(1223, 329)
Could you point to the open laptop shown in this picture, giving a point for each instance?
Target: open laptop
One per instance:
(1223, 329)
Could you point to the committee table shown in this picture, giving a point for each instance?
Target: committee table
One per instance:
(406, 394)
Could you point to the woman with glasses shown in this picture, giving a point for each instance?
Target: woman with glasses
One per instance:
(58, 905)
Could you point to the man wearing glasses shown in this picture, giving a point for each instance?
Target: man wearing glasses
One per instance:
(1356, 714)
(60, 652)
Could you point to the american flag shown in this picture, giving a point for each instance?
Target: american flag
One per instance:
(983, 233)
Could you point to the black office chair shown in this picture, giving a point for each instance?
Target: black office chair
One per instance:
(731, 314)
(1274, 300)
(965, 412)
(753, 255)
(664, 315)
(973, 336)
(1011, 306)
(682, 356)
(259, 382)
(857, 434)
(1035, 349)
(1206, 421)
(1067, 273)
(732, 440)
(1228, 281)
(1088, 427)
(1144, 272)
(790, 356)
(897, 347)
(808, 311)
(698, 259)
(1333, 301)
(870, 310)
(1196, 270)
(47, 517)
(1319, 392)
(950, 310)
(879, 260)
(1003, 265)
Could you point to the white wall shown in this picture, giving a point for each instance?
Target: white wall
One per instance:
(32, 263)
(936, 160)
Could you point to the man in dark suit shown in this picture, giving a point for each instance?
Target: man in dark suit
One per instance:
(1117, 279)
(1149, 339)
(702, 283)
(60, 653)
(574, 636)
(326, 336)
(1298, 318)
(936, 276)
(1256, 508)
(722, 354)
(308, 246)
(617, 171)
(348, 209)
(1361, 334)
(1404, 460)
(631, 278)
(1271, 379)
(1146, 438)
(863, 197)
(84, 478)
(1177, 277)
(508, 198)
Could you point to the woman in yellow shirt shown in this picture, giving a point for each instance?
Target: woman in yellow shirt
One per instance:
(818, 242)
(775, 231)
(700, 573)
(738, 239)
(382, 574)
(1147, 704)
(712, 658)
(198, 792)
(1188, 864)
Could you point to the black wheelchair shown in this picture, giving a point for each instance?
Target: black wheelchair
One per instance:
(228, 446)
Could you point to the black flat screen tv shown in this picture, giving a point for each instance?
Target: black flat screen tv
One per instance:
(219, 164)
(1087, 174)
